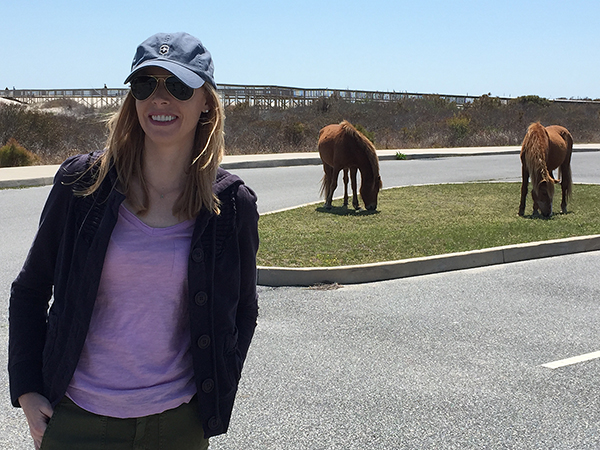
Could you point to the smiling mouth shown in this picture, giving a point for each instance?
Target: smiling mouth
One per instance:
(163, 118)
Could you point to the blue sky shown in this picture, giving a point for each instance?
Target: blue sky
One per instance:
(467, 47)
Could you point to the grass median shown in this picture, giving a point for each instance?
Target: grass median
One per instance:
(419, 221)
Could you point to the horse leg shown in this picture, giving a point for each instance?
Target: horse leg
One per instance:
(563, 203)
(534, 197)
(335, 172)
(345, 187)
(354, 190)
(327, 182)
(535, 212)
(524, 188)
(566, 182)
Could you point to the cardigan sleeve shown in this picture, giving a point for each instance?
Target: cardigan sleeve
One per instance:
(32, 290)
(248, 241)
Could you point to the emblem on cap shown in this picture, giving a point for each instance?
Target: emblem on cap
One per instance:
(164, 49)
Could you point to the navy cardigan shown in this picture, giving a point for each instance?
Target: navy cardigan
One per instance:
(65, 263)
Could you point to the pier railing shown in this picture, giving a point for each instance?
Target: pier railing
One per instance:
(232, 94)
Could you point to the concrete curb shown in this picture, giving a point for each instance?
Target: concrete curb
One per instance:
(309, 276)
(15, 177)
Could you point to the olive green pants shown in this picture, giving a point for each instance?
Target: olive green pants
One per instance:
(73, 428)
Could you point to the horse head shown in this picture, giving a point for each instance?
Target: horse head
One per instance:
(542, 197)
(369, 193)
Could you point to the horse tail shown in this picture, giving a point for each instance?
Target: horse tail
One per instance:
(324, 184)
(533, 151)
(566, 178)
(324, 143)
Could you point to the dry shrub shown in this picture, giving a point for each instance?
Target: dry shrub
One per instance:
(15, 155)
(427, 122)
(52, 137)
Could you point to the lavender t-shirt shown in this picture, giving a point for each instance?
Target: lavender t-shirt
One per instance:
(136, 360)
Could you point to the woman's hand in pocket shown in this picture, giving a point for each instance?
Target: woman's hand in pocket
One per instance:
(38, 411)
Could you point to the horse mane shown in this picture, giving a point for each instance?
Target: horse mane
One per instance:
(364, 144)
(535, 145)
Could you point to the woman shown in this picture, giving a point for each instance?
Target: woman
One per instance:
(149, 252)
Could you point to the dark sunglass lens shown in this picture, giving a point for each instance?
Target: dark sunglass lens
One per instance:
(142, 87)
(178, 88)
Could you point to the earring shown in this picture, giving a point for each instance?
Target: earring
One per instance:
(207, 111)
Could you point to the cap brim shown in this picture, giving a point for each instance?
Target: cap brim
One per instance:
(190, 78)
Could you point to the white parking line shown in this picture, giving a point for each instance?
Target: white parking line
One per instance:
(573, 360)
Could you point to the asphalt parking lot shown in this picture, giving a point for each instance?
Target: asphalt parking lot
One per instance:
(443, 361)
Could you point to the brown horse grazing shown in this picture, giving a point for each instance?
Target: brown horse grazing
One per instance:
(543, 150)
(341, 146)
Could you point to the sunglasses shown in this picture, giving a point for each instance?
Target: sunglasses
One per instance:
(143, 86)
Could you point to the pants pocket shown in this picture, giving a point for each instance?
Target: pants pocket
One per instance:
(181, 428)
(72, 428)
(51, 425)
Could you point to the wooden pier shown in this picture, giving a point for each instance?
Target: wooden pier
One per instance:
(232, 94)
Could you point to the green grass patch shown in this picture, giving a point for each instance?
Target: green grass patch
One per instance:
(419, 221)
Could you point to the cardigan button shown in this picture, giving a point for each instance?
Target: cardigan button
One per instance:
(204, 341)
(197, 255)
(214, 423)
(201, 298)
(208, 385)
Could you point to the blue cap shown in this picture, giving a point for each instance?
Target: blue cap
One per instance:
(180, 53)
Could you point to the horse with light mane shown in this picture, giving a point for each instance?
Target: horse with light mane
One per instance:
(545, 149)
(341, 146)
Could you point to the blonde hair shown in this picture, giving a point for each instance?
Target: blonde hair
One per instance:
(124, 152)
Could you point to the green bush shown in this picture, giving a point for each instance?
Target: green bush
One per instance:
(15, 155)
(294, 133)
(459, 127)
(533, 99)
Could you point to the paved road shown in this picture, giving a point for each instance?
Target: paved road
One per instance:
(285, 187)
(446, 361)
